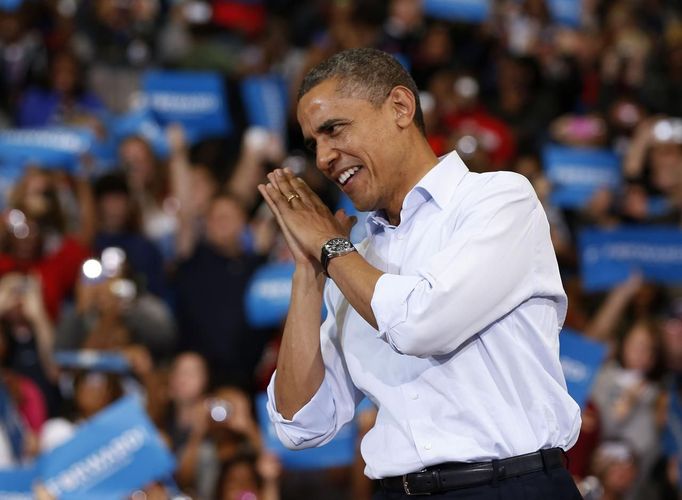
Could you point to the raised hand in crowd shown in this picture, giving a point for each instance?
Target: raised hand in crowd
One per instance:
(232, 424)
(11, 290)
(603, 324)
(22, 306)
(261, 151)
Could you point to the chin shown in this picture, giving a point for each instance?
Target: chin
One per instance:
(362, 205)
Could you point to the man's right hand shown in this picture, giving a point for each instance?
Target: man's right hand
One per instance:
(307, 267)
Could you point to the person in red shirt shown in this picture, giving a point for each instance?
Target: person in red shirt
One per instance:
(466, 117)
(34, 240)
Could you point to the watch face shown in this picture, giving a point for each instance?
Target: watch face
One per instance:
(337, 245)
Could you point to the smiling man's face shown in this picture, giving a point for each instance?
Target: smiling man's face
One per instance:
(357, 145)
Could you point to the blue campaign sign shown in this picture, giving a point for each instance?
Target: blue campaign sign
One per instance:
(10, 173)
(46, 147)
(268, 295)
(140, 123)
(581, 359)
(339, 452)
(566, 12)
(658, 206)
(101, 361)
(266, 102)
(608, 257)
(12, 425)
(458, 10)
(114, 453)
(404, 60)
(576, 173)
(197, 100)
(17, 483)
(10, 6)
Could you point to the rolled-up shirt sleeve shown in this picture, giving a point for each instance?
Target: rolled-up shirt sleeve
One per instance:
(310, 425)
(484, 271)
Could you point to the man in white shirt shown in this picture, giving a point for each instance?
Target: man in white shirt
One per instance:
(446, 316)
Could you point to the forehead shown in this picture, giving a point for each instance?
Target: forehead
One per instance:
(324, 102)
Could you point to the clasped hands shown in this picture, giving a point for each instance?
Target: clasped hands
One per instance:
(306, 222)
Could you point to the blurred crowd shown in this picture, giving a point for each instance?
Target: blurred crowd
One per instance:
(151, 257)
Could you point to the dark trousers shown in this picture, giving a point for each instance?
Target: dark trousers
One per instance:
(555, 484)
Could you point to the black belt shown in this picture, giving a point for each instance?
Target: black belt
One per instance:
(451, 476)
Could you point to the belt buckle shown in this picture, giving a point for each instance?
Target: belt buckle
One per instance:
(406, 488)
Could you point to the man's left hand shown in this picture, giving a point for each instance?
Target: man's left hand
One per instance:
(308, 219)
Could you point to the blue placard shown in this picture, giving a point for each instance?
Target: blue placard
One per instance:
(608, 257)
(339, 452)
(581, 359)
(404, 60)
(576, 173)
(265, 100)
(10, 5)
(10, 173)
(17, 483)
(12, 424)
(658, 206)
(101, 361)
(46, 147)
(142, 123)
(566, 12)
(458, 10)
(268, 295)
(114, 453)
(197, 100)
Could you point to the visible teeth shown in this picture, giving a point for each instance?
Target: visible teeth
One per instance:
(347, 174)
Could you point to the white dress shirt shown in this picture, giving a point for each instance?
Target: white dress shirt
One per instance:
(464, 365)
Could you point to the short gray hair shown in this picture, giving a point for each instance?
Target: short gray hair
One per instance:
(365, 73)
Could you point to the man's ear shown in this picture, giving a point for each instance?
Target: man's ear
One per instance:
(403, 105)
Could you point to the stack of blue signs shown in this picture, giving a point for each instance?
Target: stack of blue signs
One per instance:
(609, 256)
(112, 455)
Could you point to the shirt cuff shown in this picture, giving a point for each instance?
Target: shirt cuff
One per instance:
(389, 302)
(313, 420)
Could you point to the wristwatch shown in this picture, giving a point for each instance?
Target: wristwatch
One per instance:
(336, 247)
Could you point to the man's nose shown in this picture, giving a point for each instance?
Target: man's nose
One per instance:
(325, 157)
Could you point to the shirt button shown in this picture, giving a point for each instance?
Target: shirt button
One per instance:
(414, 395)
(427, 446)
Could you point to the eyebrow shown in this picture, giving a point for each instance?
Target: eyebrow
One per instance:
(327, 125)
(324, 128)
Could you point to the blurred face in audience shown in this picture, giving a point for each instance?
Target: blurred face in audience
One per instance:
(188, 378)
(204, 187)
(639, 349)
(64, 74)
(240, 480)
(36, 194)
(25, 242)
(407, 12)
(619, 477)
(94, 391)
(225, 223)
(615, 467)
(11, 26)
(138, 161)
(114, 212)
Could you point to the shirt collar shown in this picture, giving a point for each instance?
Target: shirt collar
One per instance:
(438, 184)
